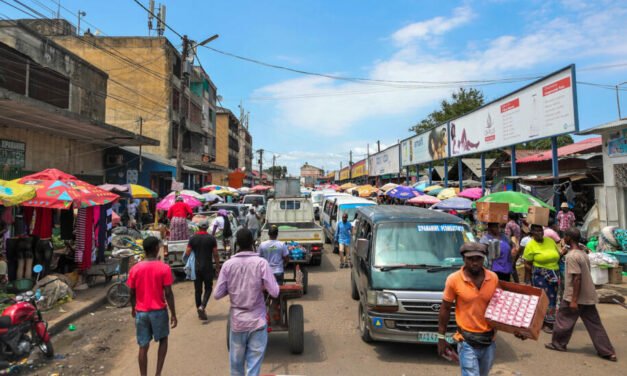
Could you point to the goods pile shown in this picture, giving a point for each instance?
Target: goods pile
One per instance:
(511, 308)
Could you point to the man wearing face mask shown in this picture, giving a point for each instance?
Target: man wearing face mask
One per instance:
(343, 237)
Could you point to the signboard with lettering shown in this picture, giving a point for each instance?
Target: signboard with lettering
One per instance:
(12, 153)
(385, 162)
(344, 174)
(359, 169)
(425, 147)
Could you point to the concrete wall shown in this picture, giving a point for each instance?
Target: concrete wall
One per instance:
(611, 199)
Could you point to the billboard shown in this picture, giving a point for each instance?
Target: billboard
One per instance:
(385, 162)
(425, 147)
(359, 169)
(344, 174)
(542, 109)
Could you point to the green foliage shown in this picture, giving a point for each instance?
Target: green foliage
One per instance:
(279, 171)
(461, 102)
(545, 143)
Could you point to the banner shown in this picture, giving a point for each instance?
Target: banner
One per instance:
(543, 109)
(425, 147)
(359, 169)
(344, 174)
(385, 162)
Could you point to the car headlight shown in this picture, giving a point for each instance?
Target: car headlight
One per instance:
(381, 298)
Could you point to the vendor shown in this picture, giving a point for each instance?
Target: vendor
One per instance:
(178, 215)
(502, 264)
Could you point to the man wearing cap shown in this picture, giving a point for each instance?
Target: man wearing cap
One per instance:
(471, 289)
(565, 218)
(204, 247)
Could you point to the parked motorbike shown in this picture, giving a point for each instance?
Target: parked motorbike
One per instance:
(22, 328)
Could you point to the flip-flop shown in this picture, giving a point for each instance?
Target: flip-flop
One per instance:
(611, 358)
(551, 346)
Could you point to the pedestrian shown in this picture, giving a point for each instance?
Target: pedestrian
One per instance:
(514, 233)
(552, 231)
(580, 299)
(178, 215)
(276, 253)
(470, 289)
(222, 227)
(252, 222)
(565, 218)
(150, 282)
(542, 269)
(204, 247)
(131, 211)
(343, 233)
(501, 247)
(144, 212)
(244, 277)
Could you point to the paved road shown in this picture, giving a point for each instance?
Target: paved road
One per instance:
(333, 346)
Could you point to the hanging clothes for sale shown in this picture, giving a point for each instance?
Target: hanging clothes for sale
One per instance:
(67, 224)
(84, 237)
(43, 223)
(104, 231)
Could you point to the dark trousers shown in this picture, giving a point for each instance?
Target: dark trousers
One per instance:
(206, 280)
(565, 324)
(280, 277)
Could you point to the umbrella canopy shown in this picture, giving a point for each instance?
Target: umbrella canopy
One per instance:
(335, 187)
(435, 192)
(518, 202)
(187, 192)
(209, 188)
(210, 197)
(424, 200)
(471, 193)
(12, 193)
(388, 186)
(244, 190)
(455, 203)
(138, 191)
(431, 187)
(170, 199)
(223, 191)
(260, 188)
(347, 186)
(402, 192)
(366, 190)
(57, 190)
(129, 190)
(420, 186)
(447, 193)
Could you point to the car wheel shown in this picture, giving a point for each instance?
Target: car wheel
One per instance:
(363, 325)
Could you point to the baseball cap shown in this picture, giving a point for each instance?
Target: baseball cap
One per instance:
(204, 223)
(564, 205)
(470, 249)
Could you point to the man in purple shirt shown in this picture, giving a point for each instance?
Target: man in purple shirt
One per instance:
(501, 265)
(244, 277)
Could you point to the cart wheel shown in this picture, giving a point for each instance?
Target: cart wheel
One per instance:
(108, 278)
(305, 280)
(228, 333)
(296, 329)
(119, 295)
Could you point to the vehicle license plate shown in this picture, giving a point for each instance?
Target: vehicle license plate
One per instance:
(429, 337)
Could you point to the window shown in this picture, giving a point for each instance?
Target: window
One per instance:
(175, 100)
(289, 205)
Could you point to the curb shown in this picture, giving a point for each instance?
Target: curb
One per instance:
(60, 325)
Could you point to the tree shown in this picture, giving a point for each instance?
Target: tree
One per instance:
(276, 171)
(545, 143)
(461, 102)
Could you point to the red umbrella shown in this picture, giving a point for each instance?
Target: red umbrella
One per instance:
(57, 190)
(260, 188)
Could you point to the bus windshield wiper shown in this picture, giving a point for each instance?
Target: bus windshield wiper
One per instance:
(442, 267)
(405, 266)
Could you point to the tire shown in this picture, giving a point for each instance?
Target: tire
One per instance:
(296, 329)
(47, 349)
(316, 261)
(305, 280)
(363, 325)
(354, 291)
(228, 333)
(119, 295)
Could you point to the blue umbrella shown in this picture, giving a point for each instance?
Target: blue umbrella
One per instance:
(402, 192)
(420, 186)
(455, 203)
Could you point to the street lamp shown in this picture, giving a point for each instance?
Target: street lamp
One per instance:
(618, 98)
(81, 13)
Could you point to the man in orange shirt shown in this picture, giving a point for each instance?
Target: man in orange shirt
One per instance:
(471, 289)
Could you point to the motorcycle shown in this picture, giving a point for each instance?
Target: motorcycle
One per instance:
(22, 328)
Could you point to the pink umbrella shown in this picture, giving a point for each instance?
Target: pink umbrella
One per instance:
(424, 200)
(471, 193)
(170, 199)
(260, 188)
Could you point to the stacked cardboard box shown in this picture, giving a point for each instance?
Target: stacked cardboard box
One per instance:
(492, 212)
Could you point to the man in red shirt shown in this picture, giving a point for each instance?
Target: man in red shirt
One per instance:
(150, 282)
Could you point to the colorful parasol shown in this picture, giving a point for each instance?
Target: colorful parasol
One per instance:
(420, 186)
(455, 203)
(170, 199)
(447, 193)
(518, 202)
(57, 190)
(431, 187)
(402, 192)
(471, 193)
(423, 200)
(209, 188)
(129, 190)
(194, 194)
(366, 190)
(435, 192)
(260, 188)
(388, 186)
(12, 193)
(346, 186)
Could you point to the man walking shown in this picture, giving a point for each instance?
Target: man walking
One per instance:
(204, 247)
(580, 300)
(150, 282)
(565, 218)
(244, 277)
(275, 252)
(252, 222)
(343, 237)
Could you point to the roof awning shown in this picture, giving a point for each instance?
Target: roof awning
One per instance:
(22, 112)
(474, 164)
(172, 162)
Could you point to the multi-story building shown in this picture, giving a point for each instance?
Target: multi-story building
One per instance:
(310, 174)
(245, 157)
(53, 107)
(145, 92)
(227, 145)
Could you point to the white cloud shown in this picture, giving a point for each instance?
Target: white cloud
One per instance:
(433, 27)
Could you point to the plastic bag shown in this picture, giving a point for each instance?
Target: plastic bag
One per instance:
(601, 259)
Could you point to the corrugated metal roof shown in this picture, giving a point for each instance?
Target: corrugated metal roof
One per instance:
(605, 127)
(581, 147)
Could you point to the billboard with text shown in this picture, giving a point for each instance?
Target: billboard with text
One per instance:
(425, 147)
(385, 162)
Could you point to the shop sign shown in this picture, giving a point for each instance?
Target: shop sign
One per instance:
(359, 169)
(12, 153)
(385, 162)
(344, 174)
(617, 144)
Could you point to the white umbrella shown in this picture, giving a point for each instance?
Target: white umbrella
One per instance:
(187, 192)
(210, 197)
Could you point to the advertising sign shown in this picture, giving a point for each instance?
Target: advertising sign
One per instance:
(543, 109)
(359, 169)
(425, 147)
(617, 144)
(344, 174)
(385, 162)
(12, 153)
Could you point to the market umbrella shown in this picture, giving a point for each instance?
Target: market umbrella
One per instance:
(423, 200)
(260, 188)
(435, 192)
(223, 191)
(194, 194)
(170, 199)
(402, 192)
(139, 191)
(335, 187)
(209, 188)
(244, 190)
(388, 186)
(471, 193)
(12, 193)
(129, 190)
(57, 190)
(518, 202)
(366, 190)
(447, 193)
(210, 197)
(431, 187)
(455, 203)
(420, 186)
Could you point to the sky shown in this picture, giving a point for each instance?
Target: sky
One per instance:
(307, 118)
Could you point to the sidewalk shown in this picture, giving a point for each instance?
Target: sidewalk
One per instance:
(85, 301)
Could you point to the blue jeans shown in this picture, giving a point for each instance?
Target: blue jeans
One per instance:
(246, 351)
(151, 324)
(475, 361)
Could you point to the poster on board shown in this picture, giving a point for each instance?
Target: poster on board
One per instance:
(385, 162)
(425, 147)
(543, 109)
(359, 169)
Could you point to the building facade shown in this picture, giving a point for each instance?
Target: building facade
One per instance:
(310, 174)
(227, 145)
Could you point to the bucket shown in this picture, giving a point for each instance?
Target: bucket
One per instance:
(599, 276)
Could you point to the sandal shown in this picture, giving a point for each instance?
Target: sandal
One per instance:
(611, 358)
(552, 346)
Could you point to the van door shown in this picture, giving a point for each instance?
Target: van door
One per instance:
(333, 218)
(363, 266)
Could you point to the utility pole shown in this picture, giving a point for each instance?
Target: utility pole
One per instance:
(182, 120)
(81, 13)
(141, 128)
(350, 167)
(618, 98)
(260, 151)
(378, 146)
(273, 166)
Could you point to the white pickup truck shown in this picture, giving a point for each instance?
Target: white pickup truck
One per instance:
(294, 216)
